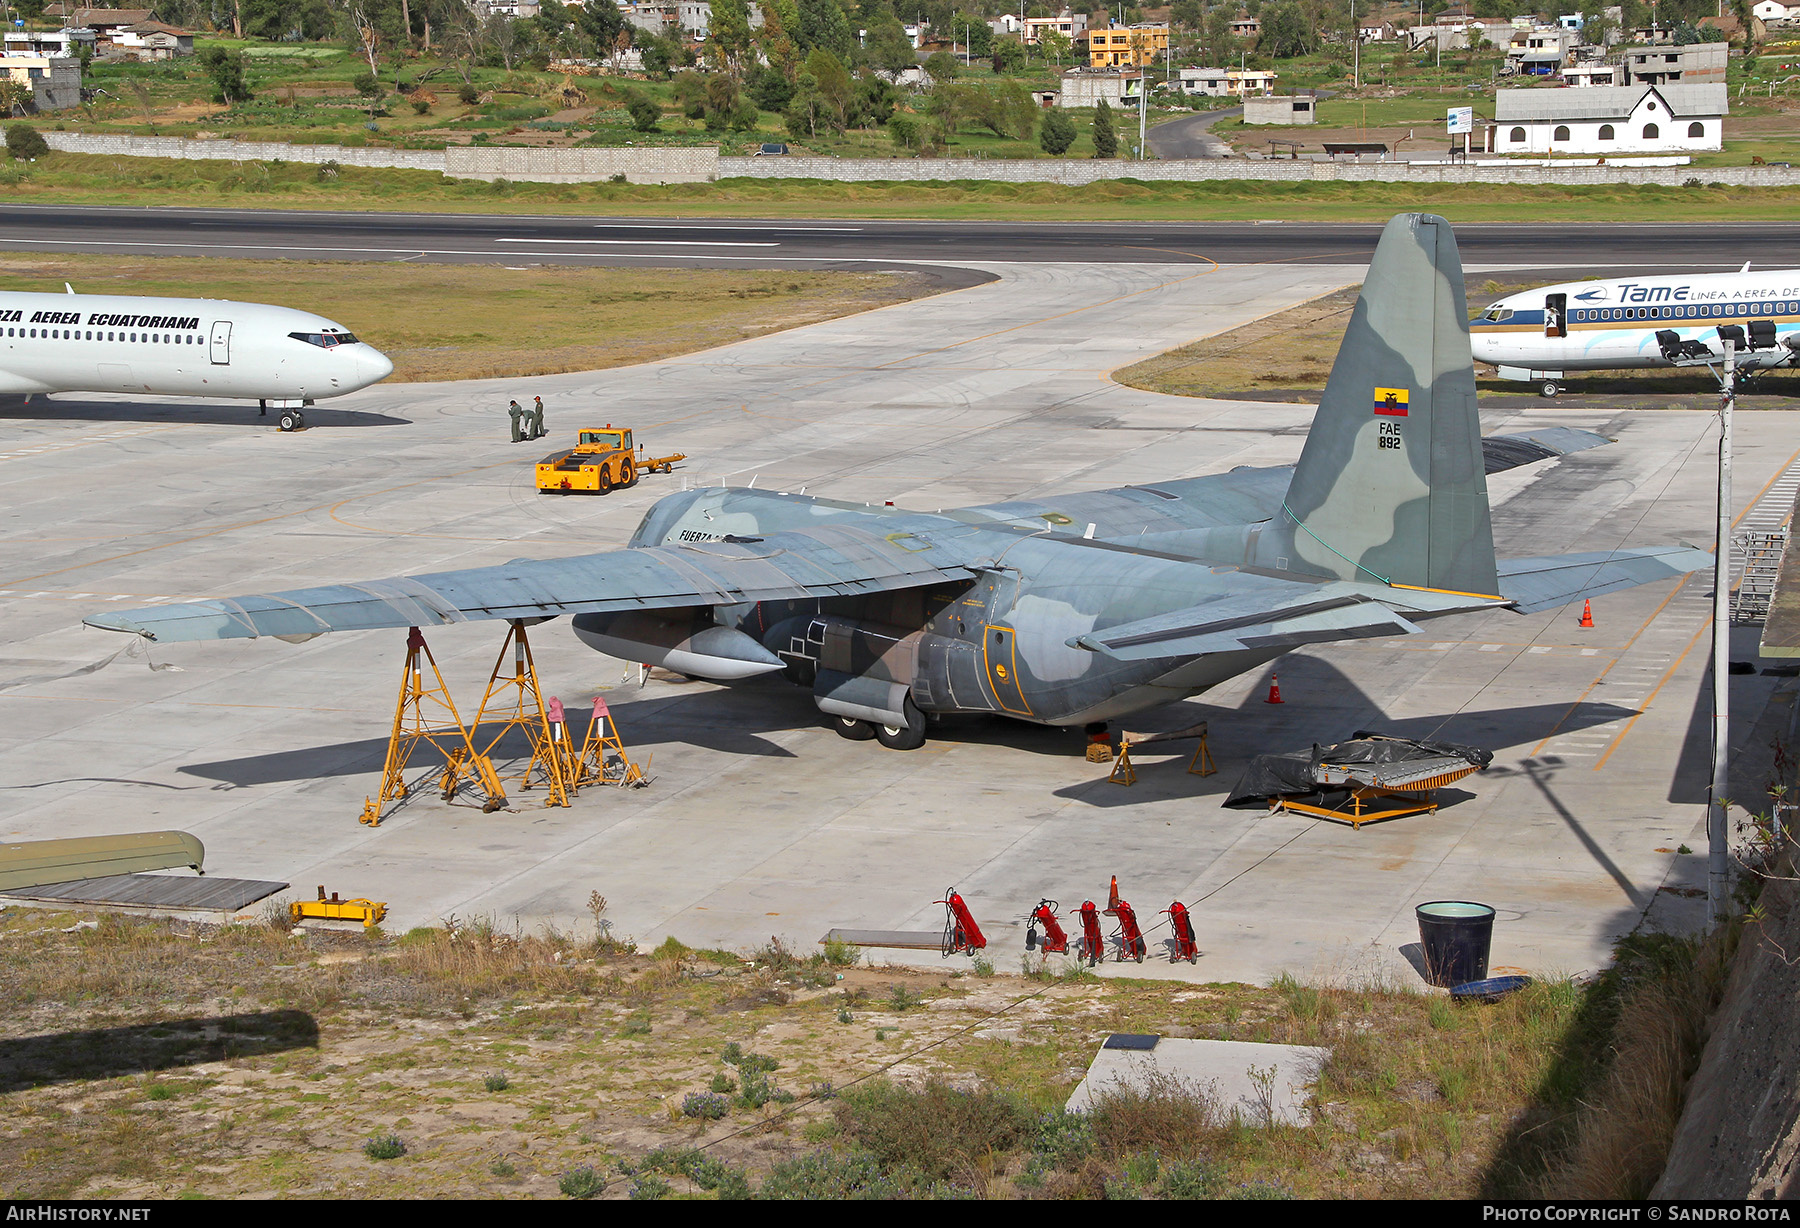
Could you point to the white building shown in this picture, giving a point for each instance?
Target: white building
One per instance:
(1069, 24)
(1225, 82)
(1668, 65)
(1773, 10)
(1624, 119)
(41, 42)
(1594, 74)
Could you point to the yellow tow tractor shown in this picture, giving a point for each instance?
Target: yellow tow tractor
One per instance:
(599, 461)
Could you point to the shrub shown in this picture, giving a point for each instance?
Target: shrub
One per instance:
(841, 954)
(25, 142)
(468, 95)
(645, 114)
(496, 1083)
(581, 1182)
(938, 1129)
(384, 1147)
(708, 1106)
(822, 1176)
(1057, 133)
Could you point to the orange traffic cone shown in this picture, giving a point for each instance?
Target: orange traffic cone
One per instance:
(1274, 689)
(1587, 613)
(1112, 898)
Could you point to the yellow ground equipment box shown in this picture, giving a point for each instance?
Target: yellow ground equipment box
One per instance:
(369, 912)
(600, 461)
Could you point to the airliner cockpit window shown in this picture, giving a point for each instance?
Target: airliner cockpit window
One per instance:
(1497, 313)
(324, 340)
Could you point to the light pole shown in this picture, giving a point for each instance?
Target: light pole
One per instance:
(1717, 828)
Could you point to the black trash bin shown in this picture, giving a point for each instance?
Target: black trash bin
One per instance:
(1456, 935)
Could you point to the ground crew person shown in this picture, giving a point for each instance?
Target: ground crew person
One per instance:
(518, 435)
(537, 418)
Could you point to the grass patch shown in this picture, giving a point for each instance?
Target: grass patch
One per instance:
(449, 322)
(1421, 1097)
(93, 179)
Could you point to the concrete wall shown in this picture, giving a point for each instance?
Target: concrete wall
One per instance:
(244, 151)
(693, 165)
(530, 165)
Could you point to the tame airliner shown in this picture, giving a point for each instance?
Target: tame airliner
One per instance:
(282, 358)
(1684, 321)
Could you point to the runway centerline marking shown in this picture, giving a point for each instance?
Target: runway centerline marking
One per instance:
(652, 242)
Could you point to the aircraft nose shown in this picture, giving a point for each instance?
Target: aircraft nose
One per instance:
(373, 365)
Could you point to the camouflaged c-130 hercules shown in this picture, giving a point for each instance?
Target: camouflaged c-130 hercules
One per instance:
(1062, 611)
(1390, 486)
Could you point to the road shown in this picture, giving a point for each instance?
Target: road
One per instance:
(825, 243)
(1191, 136)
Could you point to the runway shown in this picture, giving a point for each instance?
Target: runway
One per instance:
(761, 822)
(827, 243)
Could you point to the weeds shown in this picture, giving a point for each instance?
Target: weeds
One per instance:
(707, 1106)
(822, 1176)
(581, 1182)
(384, 1147)
(841, 954)
(936, 1130)
(1166, 1116)
(496, 1083)
(502, 1168)
(901, 999)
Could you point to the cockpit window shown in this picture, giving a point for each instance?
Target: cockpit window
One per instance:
(325, 340)
(1497, 313)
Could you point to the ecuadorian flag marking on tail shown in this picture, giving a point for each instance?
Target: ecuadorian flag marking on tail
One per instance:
(1390, 402)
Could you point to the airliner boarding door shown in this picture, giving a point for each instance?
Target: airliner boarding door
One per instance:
(1556, 312)
(221, 343)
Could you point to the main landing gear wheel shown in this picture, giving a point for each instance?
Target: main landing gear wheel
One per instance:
(292, 420)
(1549, 388)
(850, 728)
(909, 736)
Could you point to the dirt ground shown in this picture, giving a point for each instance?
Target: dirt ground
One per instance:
(144, 1059)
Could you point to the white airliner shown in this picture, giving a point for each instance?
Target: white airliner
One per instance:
(1542, 334)
(185, 347)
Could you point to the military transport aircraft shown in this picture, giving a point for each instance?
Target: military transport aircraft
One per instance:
(1071, 610)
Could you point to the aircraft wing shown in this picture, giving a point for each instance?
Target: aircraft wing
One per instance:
(1249, 622)
(1545, 583)
(826, 561)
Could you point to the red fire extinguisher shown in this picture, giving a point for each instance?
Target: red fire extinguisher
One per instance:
(1093, 947)
(1182, 926)
(1054, 941)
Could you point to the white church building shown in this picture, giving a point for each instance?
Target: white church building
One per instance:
(1625, 119)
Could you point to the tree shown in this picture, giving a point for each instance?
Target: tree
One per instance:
(888, 47)
(1055, 45)
(1286, 32)
(226, 68)
(974, 32)
(25, 143)
(1057, 132)
(728, 29)
(832, 80)
(601, 25)
(1106, 141)
(1009, 55)
(941, 67)
(645, 114)
(824, 26)
(903, 130)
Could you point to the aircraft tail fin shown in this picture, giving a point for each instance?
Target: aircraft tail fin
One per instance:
(1391, 486)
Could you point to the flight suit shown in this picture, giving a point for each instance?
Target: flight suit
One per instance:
(537, 418)
(518, 435)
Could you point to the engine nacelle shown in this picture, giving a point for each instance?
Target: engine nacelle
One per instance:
(686, 641)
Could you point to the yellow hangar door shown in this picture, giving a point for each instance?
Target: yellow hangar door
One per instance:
(221, 343)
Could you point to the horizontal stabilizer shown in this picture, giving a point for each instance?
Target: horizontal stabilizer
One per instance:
(828, 561)
(1502, 452)
(1546, 583)
(1235, 625)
